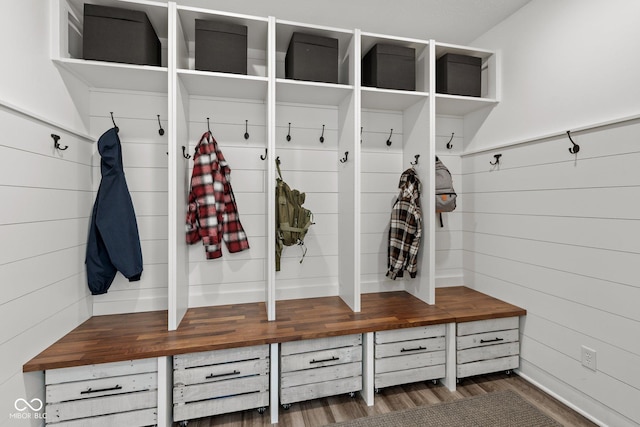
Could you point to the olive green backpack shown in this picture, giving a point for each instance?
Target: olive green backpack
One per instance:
(292, 220)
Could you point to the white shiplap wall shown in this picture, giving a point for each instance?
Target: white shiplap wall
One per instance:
(46, 203)
(449, 237)
(144, 156)
(557, 234)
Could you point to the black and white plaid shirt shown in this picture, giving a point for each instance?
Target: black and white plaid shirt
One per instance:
(405, 229)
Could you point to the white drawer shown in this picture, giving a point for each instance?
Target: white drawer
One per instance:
(488, 325)
(404, 348)
(419, 332)
(321, 367)
(225, 371)
(304, 346)
(321, 358)
(485, 346)
(487, 339)
(103, 394)
(220, 381)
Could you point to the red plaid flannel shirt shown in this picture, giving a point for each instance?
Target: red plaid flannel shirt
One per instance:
(212, 215)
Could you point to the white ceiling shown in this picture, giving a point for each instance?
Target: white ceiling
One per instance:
(448, 21)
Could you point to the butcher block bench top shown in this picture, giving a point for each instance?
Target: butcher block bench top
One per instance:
(117, 337)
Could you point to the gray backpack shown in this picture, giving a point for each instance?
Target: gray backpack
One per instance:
(445, 194)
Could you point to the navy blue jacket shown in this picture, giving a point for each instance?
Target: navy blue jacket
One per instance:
(114, 243)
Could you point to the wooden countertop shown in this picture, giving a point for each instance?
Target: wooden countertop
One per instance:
(112, 338)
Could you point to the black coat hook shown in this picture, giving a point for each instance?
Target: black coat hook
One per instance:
(576, 147)
(56, 144)
(114, 123)
(344, 159)
(246, 129)
(160, 131)
(264, 157)
(497, 157)
(389, 139)
(322, 135)
(417, 156)
(449, 144)
(289, 133)
(361, 127)
(208, 126)
(184, 153)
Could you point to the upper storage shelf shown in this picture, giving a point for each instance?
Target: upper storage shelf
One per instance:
(489, 92)
(67, 47)
(302, 90)
(248, 83)
(394, 99)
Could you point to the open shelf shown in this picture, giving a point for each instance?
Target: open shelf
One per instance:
(386, 99)
(224, 85)
(305, 92)
(113, 75)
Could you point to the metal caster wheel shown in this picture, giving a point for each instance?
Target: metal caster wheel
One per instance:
(286, 406)
(508, 372)
(183, 423)
(458, 380)
(262, 410)
(376, 390)
(352, 394)
(434, 382)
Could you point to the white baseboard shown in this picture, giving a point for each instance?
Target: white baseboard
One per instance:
(560, 399)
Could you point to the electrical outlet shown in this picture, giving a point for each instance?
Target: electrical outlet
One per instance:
(589, 358)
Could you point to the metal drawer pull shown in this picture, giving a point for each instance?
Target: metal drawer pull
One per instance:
(332, 359)
(493, 340)
(235, 372)
(89, 390)
(413, 349)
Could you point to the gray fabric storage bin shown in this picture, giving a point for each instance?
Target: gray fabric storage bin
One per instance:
(221, 47)
(313, 58)
(390, 66)
(459, 75)
(119, 35)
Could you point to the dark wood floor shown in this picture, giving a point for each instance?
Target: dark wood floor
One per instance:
(321, 412)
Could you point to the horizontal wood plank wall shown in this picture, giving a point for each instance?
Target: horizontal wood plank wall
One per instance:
(448, 268)
(557, 234)
(235, 277)
(381, 170)
(144, 155)
(47, 198)
(310, 166)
